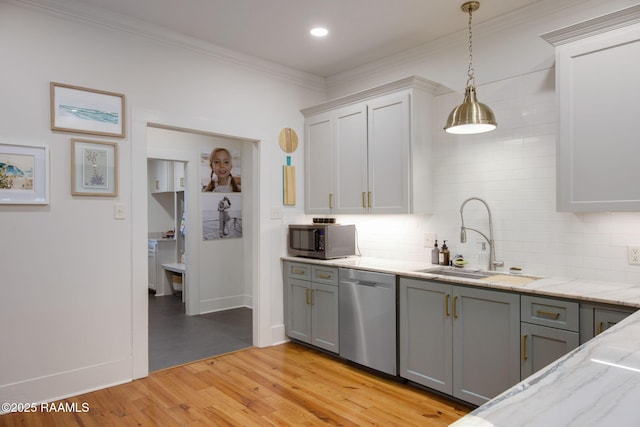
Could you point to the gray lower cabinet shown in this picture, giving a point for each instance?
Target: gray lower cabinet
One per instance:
(549, 330)
(311, 305)
(542, 345)
(459, 340)
(597, 318)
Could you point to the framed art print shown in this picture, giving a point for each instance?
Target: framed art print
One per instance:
(24, 174)
(94, 168)
(90, 111)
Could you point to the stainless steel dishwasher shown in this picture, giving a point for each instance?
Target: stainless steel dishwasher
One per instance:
(368, 319)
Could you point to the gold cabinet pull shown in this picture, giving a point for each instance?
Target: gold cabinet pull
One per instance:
(599, 328)
(306, 296)
(324, 276)
(523, 348)
(364, 200)
(446, 305)
(547, 313)
(296, 271)
(455, 307)
(369, 199)
(330, 200)
(310, 296)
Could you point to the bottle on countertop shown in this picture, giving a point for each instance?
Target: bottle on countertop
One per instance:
(435, 254)
(444, 254)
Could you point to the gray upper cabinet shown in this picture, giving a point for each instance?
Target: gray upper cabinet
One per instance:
(369, 152)
(597, 86)
(459, 340)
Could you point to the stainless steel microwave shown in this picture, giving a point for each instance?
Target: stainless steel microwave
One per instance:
(322, 241)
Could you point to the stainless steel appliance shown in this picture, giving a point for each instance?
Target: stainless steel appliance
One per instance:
(368, 319)
(323, 241)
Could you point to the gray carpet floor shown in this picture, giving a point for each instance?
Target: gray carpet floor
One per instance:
(175, 338)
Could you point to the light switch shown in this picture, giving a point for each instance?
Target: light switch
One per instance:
(118, 211)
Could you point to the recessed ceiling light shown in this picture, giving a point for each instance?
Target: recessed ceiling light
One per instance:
(319, 32)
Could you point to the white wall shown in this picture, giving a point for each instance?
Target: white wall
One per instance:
(73, 277)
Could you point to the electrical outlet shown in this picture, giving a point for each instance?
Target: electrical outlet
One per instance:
(429, 239)
(634, 254)
(276, 213)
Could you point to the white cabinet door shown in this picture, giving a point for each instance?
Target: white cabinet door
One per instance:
(389, 136)
(351, 159)
(178, 176)
(598, 151)
(159, 177)
(319, 168)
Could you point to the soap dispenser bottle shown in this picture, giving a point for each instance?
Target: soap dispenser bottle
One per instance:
(435, 254)
(444, 254)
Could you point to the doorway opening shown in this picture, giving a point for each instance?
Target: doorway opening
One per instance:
(202, 305)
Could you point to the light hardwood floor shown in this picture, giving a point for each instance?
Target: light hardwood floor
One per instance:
(284, 385)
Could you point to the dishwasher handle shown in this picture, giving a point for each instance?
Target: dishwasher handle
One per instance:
(366, 283)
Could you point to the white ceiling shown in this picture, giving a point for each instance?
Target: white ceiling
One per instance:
(360, 31)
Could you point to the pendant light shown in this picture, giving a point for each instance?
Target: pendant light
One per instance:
(471, 116)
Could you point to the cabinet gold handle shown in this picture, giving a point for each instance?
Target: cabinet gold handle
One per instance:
(331, 201)
(446, 305)
(599, 328)
(547, 313)
(306, 296)
(523, 349)
(310, 296)
(455, 307)
(324, 276)
(364, 200)
(295, 271)
(369, 199)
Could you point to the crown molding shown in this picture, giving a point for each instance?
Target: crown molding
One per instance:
(611, 21)
(84, 13)
(413, 82)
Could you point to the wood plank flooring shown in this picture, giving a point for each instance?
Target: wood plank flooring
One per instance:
(284, 385)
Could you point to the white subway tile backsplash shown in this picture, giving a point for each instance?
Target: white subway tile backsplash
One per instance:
(514, 170)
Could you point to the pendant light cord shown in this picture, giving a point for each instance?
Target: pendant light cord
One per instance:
(470, 71)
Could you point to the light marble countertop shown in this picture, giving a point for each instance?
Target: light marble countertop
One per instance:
(597, 384)
(578, 289)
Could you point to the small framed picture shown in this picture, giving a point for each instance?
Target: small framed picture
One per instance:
(24, 174)
(94, 168)
(90, 111)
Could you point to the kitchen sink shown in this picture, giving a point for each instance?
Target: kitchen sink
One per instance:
(467, 274)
